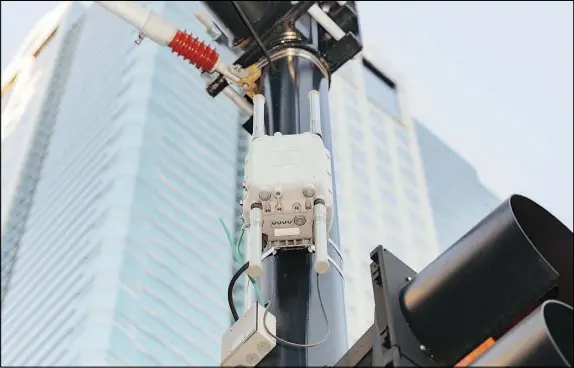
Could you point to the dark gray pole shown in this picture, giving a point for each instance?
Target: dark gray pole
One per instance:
(289, 279)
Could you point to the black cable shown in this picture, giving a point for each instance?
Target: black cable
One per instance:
(253, 33)
(230, 290)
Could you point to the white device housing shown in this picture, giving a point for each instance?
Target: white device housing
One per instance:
(284, 167)
(246, 343)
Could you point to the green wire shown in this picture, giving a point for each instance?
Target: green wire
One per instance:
(237, 257)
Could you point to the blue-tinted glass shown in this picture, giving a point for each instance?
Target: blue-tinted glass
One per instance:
(380, 135)
(124, 345)
(412, 196)
(405, 156)
(382, 155)
(361, 177)
(358, 155)
(380, 92)
(385, 174)
(127, 306)
(401, 134)
(390, 219)
(389, 196)
(346, 72)
(458, 199)
(416, 220)
(356, 134)
(351, 101)
(408, 176)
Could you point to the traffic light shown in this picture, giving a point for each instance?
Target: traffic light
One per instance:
(500, 296)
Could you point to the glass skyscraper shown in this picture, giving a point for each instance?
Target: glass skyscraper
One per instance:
(116, 166)
(382, 196)
(458, 199)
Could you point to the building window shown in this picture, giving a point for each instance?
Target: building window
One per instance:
(412, 196)
(416, 220)
(385, 174)
(346, 72)
(408, 176)
(383, 156)
(405, 156)
(378, 123)
(352, 112)
(358, 155)
(402, 135)
(361, 176)
(355, 131)
(380, 89)
(351, 98)
(389, 197)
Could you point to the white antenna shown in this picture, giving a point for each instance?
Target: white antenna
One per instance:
(315, 112)
(258, 116)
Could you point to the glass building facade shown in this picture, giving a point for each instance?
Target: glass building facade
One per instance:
(382, 198)
(113, 178)
(458, 199)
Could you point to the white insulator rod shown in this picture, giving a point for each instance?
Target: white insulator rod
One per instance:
(149, 23)
(326, 22)
(315, 111)
(258, 116)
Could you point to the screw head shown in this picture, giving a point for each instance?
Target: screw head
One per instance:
(251, 357)
(265, 195)
(299, 220)
(263, 346)
(309, 191)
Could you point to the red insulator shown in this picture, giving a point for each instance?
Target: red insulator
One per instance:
(194, 51)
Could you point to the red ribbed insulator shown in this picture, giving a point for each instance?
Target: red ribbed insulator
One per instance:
(194, 51)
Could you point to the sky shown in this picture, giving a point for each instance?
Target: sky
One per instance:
(491, 79)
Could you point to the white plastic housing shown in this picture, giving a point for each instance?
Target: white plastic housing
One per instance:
(286, 165)
(246, 343)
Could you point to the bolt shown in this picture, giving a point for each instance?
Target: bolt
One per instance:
(251, 358)
(409, 278)
(139, 40)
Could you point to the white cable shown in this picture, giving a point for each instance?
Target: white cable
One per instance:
(289, 343)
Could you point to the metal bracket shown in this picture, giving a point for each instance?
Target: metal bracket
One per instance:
(392, 342)
(389, 274)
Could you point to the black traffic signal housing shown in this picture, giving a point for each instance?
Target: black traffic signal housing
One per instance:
(500, 296)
